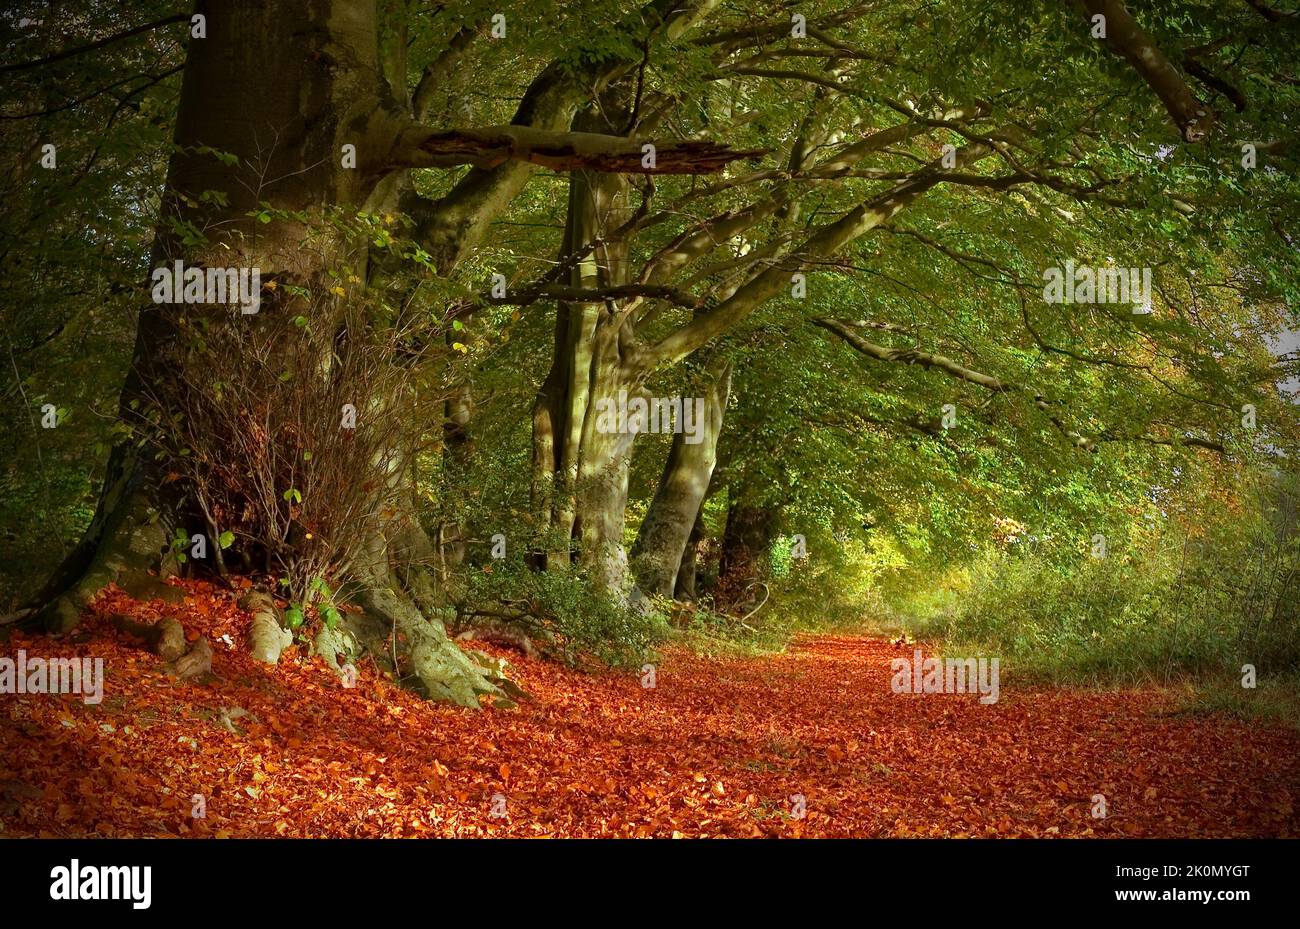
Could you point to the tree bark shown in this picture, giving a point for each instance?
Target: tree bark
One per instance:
(282, 88)
(748, 537)
(685, 587)
(1127, 39)
(662, 540)
(580, 469)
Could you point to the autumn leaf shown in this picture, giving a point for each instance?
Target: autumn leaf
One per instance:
(588, 757)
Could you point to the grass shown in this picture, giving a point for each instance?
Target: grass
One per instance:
(1275, 699)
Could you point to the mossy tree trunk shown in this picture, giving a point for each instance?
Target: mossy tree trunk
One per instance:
(665, 533)
(280, 111)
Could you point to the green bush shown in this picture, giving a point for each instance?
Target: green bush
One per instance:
(565, 613)
(1186, 605)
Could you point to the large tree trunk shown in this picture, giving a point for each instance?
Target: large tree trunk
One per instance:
(580, 467)
(282, 87)
(685, 588)
(748, 537)
(662, 540)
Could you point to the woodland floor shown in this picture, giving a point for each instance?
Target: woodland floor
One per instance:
(717, 748)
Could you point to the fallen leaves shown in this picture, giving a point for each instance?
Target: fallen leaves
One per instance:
(811, 743)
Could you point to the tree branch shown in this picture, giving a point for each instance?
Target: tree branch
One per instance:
(1126, 38)
(911, 356)
(82, 49)
(959, 371)
(456, 222)
(952, 369)
(572, 294)
(825, 241)
(488, 147)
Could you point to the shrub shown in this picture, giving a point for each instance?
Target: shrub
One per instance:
(564, 612)
(1196, 599)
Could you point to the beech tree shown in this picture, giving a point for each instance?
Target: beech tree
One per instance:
(286, 114)
(745, 241)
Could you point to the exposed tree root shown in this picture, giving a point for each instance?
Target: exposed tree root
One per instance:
(165, 638)
(500, 634)
(132, 542)
(120, 548)
(267, 638)
(442, 670)
(195, 663)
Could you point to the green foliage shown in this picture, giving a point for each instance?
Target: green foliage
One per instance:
(320, 600)
(179, 545)
(322, 595)
(1202, 599)
(1275, 700)
(565, 614)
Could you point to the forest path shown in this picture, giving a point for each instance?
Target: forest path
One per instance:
(718, 747)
